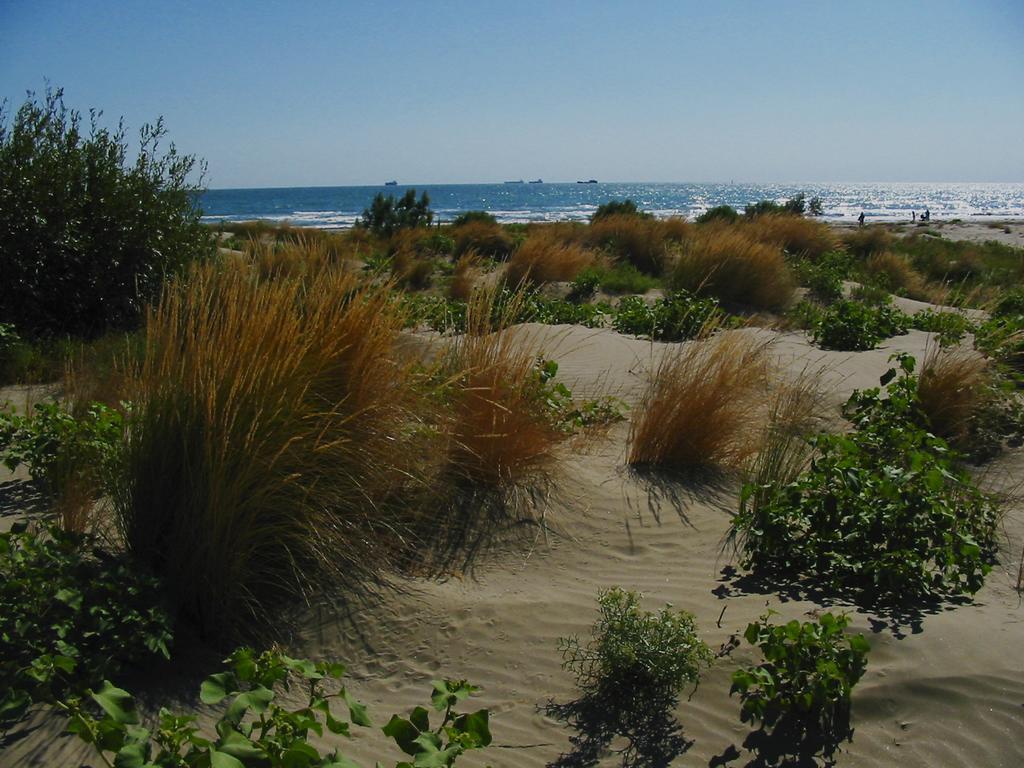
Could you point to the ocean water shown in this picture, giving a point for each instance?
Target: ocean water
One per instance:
(339, 207)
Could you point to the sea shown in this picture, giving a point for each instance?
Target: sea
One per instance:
(523, 202)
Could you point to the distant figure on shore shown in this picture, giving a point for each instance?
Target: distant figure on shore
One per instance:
(913, 215)
(927, 215)
(860, 219)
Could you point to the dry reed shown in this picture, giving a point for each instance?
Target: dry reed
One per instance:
(266, 418)
(543, 259)
(795, 234)
(703, 405)
(723, 261)
(953, 388)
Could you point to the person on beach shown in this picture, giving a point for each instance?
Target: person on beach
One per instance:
(913, 215)
(927, 215)
(860, 219)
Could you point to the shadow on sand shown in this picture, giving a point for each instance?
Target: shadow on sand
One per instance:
(788, 742)
(640, 728)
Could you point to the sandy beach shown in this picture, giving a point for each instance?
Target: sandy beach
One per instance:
(943, 685)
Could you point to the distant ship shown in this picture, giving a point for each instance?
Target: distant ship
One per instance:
(537, 181)
(520, 181)
(391, 183)
(591, 181)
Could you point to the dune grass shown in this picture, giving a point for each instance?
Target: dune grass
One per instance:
(264, 437)
(864, 241)
(953, 388)
(894, 273)
(500, 428)
(639, 241)
(797, 235)
(543, 259)
(464, 276)
(702, 406)
(725, 262)
(483, 237)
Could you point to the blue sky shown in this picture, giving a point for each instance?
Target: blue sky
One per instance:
(289, 94)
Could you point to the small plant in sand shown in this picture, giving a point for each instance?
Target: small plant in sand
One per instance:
(950, 326)
(257, 729)
(854, 326)
(702, 404)
(883, 511)
(678, 316)
(636, 652)
(808, 674)
(70, 614)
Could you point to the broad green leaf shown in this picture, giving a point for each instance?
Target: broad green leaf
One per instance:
(236, 745)
(117, 703)
(403, 732)
(477, 725)
(356, 711)
(214, 689)
(224, 760)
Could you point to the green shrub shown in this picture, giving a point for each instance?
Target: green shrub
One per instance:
(386, 214)
(618, 208)
(825, 276)
(795, 205)
(950, 326)
(58, 447)
(808, 673)
(1002, 339)
(853, 326)
(255, 729)
(470, 216)
(86, 239)
(724, 213)
(70, 614)
(619, 278)
(883, 510)
(1010, 304)
(631, 650)
(679, 315)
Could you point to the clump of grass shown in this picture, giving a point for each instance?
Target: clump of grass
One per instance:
(544, 260)
(484, 238)
(726, 263)
(894, 273)
(702, 405)
(864, 241)
(500, 432)
(952, 390)
(410, 270)
(636, 240)
(265, 424)
(464, 276)
(796, 235)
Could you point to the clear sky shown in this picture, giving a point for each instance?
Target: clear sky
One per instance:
(333, 93)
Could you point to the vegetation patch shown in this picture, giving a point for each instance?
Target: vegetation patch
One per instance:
(883, 511)
(853, 326)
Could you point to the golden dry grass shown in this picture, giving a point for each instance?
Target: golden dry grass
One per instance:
(464, 276)
(953, 387)
(725, 262)
(703, 406)
(484, 238)
(544, 259)
(864, 241)
(411, 270)
(895, 273)
(266, 424)
(795, 234)
(637, 240)
(500, 430)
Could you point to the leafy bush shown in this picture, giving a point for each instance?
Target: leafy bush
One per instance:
(950, 326)
(386, 214)
(474, 216)
(85, 238)
(883, 509)
(1002, 338)
(823, 277)
(620, 278)
(654, 654)
(618, 208)
(69, 614)
(809, 672)
(59, 448)
(256, 730)
(852, 326)
(1010, 304)
(724, 213)
(677, 316)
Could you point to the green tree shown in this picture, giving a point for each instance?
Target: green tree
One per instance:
(386, 215)
(87, 237)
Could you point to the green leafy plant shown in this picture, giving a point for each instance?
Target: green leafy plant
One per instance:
(852, 326)
(809, 671)
(884, 511)
(255, 729)
(677, 316)
(58, 447)
(70, 613)
(950, 326)
(87, 237)
(724, 213)
(633, 650)
(618, 208)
